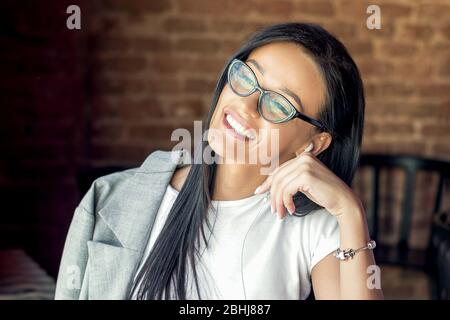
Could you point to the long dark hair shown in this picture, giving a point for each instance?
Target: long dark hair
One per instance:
(342, 114)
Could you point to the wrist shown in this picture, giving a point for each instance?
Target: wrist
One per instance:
(353, 212)
(351, 206)
(353, 226)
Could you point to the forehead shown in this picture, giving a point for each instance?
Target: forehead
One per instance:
(287, 65)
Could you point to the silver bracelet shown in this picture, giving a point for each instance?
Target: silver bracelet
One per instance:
(350, 253)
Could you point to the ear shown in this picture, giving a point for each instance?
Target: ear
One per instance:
(320, 141)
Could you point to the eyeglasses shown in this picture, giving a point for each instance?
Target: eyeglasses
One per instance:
(272, 106)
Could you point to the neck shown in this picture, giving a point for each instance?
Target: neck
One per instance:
(236, 181)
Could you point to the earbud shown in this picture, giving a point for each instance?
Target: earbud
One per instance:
(309, 148)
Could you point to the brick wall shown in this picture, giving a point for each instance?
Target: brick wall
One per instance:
(114, 91)
(156, 65)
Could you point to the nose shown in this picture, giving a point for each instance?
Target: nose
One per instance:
(250, 103)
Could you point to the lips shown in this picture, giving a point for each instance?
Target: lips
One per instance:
(237, 125)
(237, 117)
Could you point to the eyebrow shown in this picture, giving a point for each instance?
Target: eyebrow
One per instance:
(284, 89)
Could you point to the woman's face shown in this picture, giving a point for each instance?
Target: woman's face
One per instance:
(281, 67)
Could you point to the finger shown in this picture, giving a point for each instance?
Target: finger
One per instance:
(280, 210)
(266, 185)
(288, 183)
(279, 181)
(288, 194)
(301, 182)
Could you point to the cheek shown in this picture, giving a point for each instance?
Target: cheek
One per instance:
(221, 102)
(292, 137)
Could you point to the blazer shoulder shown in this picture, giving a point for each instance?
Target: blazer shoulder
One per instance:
(102, 188)
(119, 184)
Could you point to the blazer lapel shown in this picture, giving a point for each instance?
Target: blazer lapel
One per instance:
(130, 215)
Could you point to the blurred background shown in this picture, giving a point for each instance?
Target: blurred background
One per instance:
(76, 104)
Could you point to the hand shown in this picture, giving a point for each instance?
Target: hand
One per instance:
(307, 174)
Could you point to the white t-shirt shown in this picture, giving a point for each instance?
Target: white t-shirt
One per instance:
(276, 260)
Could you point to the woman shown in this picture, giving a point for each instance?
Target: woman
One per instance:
(140, 233)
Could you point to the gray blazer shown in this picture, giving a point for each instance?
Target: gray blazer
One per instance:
(110, 229)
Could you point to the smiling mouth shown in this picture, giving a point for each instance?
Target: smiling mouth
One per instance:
(236, 128)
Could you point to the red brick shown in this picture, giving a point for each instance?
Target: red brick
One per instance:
(397, 129)
(188, 108)
(395, 10)
(385, 107)
(181, 25)
(185, 64)
(433, 90)
(150, 44)
(215, 8)
(387, 31)
(118, 153)
(446, 31)
(109, 43)
(440, 130)
(411, 69)
(412, 32)
(198, 85)
(381, 90)
(201, 7)
(198, 45)
(149, 107)
(341, 29)
(232, 26)
(392, 48)
(433, 12)
(120, 64)
(359, 47)
(441, 150)
(167, 85)
(155, 133)
(400, 147)
(138, 6)
(444, 68)
(374, 68)
(315, 8)
(274, 7)
(116, 85)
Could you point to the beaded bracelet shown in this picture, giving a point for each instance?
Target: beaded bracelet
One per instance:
(350, 253)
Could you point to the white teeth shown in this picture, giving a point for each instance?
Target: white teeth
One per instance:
(238, 127)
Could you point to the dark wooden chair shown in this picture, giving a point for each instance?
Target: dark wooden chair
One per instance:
(441, 248)
(402, 254)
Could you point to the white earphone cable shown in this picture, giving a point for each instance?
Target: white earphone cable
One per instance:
(265, 198)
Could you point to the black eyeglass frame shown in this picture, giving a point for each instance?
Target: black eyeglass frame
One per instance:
(294, 112)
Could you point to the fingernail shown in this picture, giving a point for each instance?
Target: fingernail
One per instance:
(258, 190)
(279, 216)
(290, 210)
(271, 209)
